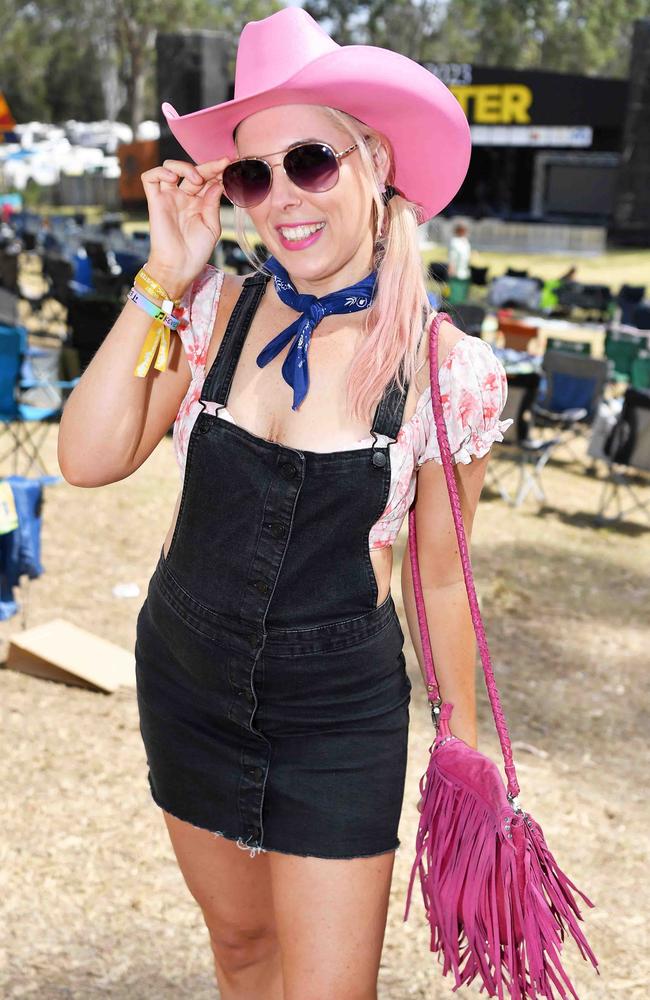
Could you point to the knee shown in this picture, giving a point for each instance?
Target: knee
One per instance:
(237, 948)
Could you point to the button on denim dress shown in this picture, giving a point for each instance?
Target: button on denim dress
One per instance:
(272, 690)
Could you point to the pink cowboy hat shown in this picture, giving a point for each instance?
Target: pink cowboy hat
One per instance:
(288, 58)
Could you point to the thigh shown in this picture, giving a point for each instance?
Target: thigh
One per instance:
(331, 919)
(232, 888)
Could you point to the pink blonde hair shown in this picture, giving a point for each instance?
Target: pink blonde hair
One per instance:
(401, 309)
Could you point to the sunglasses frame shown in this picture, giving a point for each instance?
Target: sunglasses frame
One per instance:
(291, 149)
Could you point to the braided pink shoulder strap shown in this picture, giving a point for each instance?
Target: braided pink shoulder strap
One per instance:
(433, 688)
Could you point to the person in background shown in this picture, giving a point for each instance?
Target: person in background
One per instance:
(460, 250)
(458, 268)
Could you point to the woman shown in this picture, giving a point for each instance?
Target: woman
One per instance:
(272, 687)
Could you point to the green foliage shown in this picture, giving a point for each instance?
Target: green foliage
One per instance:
(580, 36)
(57, 55)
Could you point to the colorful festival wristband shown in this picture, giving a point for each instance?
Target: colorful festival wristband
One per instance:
(156, 312)
(157, 338)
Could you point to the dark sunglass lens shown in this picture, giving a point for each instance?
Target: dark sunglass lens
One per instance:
(247, 182)
(313, 167)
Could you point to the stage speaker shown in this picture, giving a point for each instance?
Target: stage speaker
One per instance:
(193, 71)
(631, 218)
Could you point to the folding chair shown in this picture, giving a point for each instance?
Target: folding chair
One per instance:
(90, 319)
(589, 298)
(641, 316)
(530, 455)
(575, 346)
(575, 384)
(640, 377)
(627, 449)
(628, 298)
(59, 273)
(26, 424)
(20, 545)
(8, 307)
(479, 275)
(622, 347)
(469, 318)
(438, 271)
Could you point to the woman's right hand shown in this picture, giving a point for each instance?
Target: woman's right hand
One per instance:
(184, 221)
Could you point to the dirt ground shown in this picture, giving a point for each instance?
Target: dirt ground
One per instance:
(93, 903)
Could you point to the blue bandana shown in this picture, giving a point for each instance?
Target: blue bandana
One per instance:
(347, 300)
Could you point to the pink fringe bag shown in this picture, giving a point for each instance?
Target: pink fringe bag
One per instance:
(497, 902)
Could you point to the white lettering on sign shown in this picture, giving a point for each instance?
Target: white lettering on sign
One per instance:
(451, 73)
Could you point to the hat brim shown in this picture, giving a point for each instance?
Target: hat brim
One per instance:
(417, 113)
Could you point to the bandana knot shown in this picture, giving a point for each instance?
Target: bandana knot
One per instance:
(312, 310)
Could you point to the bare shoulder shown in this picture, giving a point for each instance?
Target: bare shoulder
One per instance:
(448, 337)
(231, 287)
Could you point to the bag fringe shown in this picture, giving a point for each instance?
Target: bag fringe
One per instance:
(498, 907)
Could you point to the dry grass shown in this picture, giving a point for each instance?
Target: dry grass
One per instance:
(614, 268)
(93, 902)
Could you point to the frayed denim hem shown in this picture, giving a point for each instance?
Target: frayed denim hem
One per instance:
(258, 849)
(243, 844)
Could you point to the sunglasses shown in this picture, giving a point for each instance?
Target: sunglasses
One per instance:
(311, 166)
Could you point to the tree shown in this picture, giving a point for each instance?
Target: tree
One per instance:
(573, 36)
(64, 59)
(135, 24)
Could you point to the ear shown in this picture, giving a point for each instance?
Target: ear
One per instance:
(381, 159)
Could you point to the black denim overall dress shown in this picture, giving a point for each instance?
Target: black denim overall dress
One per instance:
(272, 691)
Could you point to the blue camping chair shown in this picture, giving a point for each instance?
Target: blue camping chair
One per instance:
(26, 424)
(573, 387)
(20, 549)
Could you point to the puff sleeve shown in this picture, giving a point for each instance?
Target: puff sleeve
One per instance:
(474, 390)
(197, 311)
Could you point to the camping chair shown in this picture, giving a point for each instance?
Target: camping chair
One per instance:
(90, 319)
(640, 378)
(20, 538)
(577, 346)
(628, 299)
(589, 298)
(529, 454)
(469, 318)
(10, 280)
(575, 384)
(479, 275)
(438, 271)
(58, 272)
(8, 307)
(641, 316)
(26, 424)
(627, 449)
(622, 347)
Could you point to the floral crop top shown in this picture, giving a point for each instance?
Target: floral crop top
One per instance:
(473, 387)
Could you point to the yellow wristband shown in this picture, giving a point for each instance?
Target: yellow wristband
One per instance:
(149, 284)
(157, 339)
